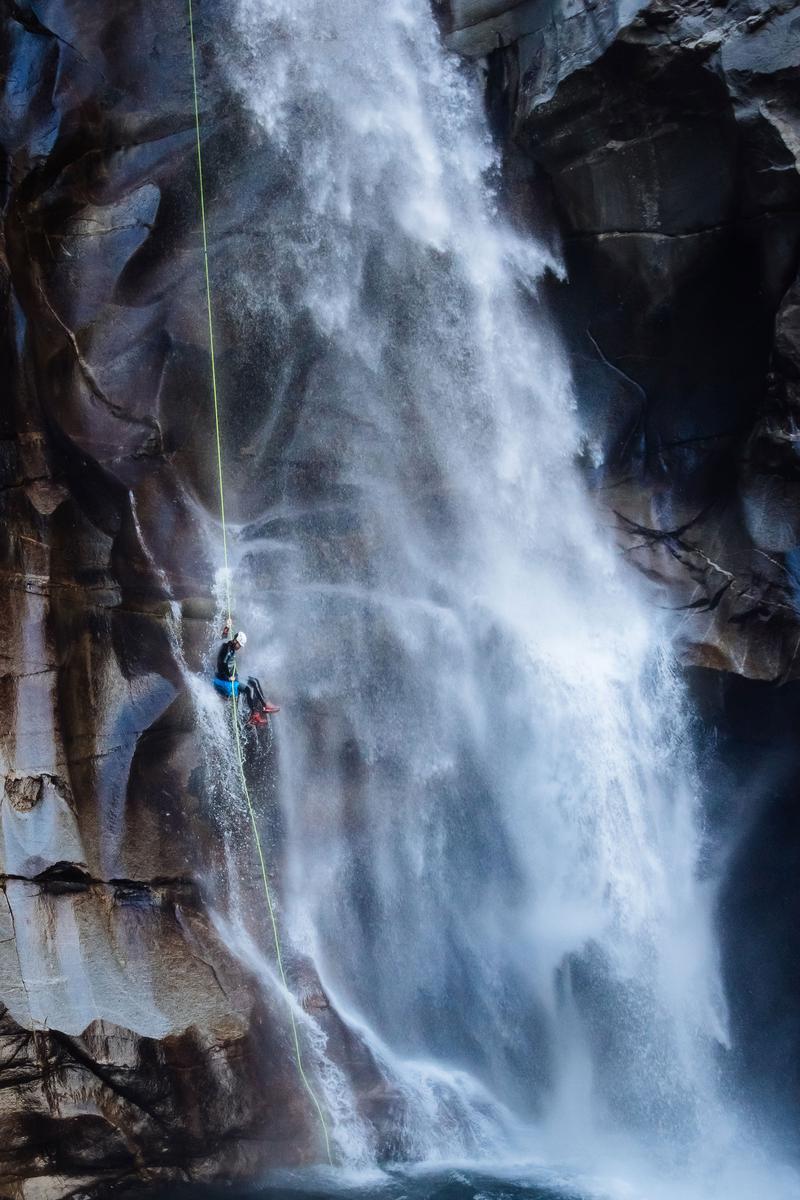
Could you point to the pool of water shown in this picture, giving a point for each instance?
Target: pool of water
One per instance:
(453, 1186)
(448, 1184)
(765, 1179)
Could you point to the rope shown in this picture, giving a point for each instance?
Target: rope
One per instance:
(214, 389)
(234, 705)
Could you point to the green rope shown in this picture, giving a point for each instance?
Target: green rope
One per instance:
(228, 604)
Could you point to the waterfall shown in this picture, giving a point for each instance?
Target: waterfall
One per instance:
(493, 837)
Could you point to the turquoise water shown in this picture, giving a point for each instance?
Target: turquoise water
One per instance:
(761, 1179)
(764, 1179)
(445, 1185)
(453, 1185)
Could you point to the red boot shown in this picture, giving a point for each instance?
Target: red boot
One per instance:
(270, 708)
(257, 719)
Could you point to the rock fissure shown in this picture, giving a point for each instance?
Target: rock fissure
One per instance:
(31, 23)
(71, 874)
(16, 949)
(115, 409)
(23, 483)
(107, 1078)
(725, 227)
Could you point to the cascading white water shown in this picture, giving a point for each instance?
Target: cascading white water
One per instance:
(492, 829)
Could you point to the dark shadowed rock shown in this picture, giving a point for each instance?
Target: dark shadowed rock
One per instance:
(666, 135)
(770, 477)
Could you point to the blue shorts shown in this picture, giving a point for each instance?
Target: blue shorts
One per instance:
(228, 687)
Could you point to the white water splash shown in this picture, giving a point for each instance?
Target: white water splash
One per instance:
(491, 817)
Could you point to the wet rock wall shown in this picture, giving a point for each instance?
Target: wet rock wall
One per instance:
(662, 140)
(134, 1046)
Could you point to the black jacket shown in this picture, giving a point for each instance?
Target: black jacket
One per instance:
(226, 661)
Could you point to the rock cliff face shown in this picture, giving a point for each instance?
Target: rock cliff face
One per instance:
(664, 139)
(133, 1045)
(665, 136)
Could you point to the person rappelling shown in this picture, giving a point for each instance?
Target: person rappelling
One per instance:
(226, 680)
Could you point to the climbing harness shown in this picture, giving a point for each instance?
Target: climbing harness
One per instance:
(228, 604)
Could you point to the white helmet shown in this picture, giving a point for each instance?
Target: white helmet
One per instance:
(240, 637)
